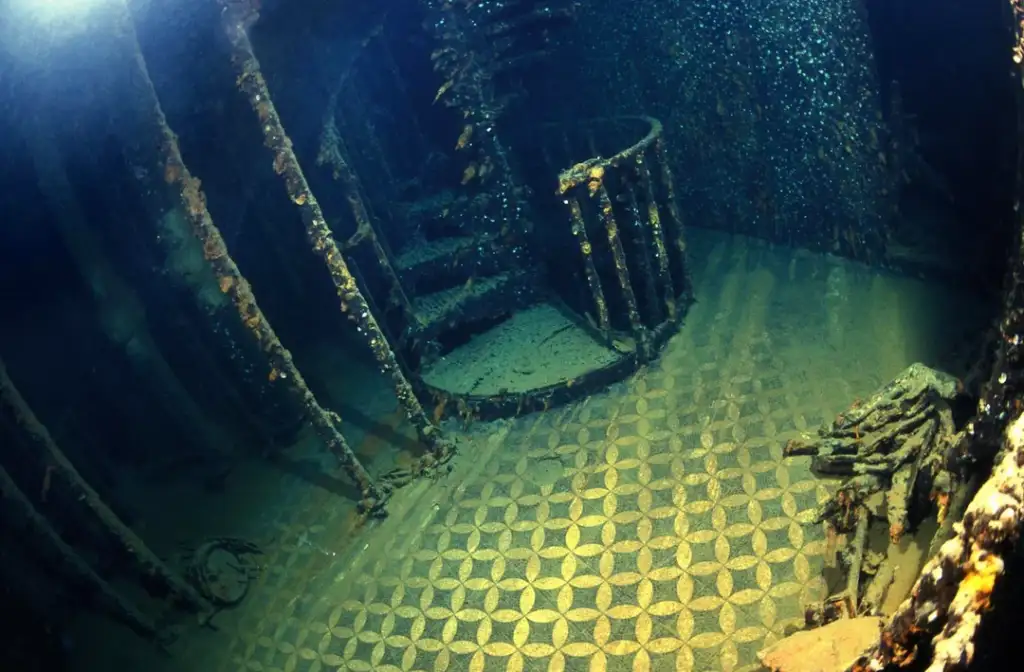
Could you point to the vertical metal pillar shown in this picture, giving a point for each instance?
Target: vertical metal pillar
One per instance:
(237, 17)
(16, 410)
(175, 189)
(579, 230)
(621, 269)
(657, 235)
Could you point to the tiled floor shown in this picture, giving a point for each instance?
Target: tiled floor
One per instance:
(653, 527)
(674, 538)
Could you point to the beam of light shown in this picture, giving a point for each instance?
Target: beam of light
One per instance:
(29, 27)
(52, 12)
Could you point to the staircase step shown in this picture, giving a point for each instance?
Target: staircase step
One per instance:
(420, 258)
(453, 260)
(480, 299)
(446, 214)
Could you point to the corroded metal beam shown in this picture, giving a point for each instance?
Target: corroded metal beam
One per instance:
(237, 17)
(657, 236)
(579, 230)
(15, 409)
(611, 227)
(22, 513)
(176, 192)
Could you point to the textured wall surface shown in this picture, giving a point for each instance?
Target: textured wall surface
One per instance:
(771, 106)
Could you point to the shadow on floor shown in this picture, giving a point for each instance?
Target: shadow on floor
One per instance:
(380, 437)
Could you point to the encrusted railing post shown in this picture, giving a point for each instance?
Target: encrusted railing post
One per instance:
(579, 230)
(673, 211)
(238, 16)
(15, 410)
(175, 190)
(657, 235)
(604, 204)
(332, 153)
(643, 244)
(19, 509)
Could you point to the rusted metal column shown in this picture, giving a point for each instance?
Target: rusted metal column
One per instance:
(332, 153)
(14, 409)
(178, 193)
(604, 203)
(22, 513)
(643, 251)
(673, 209)
(121, 311)
(237, 17)
(657, 235)
(579, 229)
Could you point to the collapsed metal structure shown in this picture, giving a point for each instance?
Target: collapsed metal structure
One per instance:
(902, 443)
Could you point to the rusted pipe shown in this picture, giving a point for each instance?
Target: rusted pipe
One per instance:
(237, 16)
(20, 509)
(657, 236)
(579, 230)
(178, 194)
(16, 410)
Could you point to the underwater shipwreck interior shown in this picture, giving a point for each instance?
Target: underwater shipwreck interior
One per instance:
(511, 335)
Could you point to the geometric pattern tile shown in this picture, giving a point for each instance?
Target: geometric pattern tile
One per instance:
(647, 561)
(670, 540)
(644, 558)
(653, 527)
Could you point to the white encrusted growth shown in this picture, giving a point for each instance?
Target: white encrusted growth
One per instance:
(956, 585)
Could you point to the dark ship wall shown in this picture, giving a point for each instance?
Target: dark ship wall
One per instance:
(949, 93)
(774, 113)
(819, 125)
